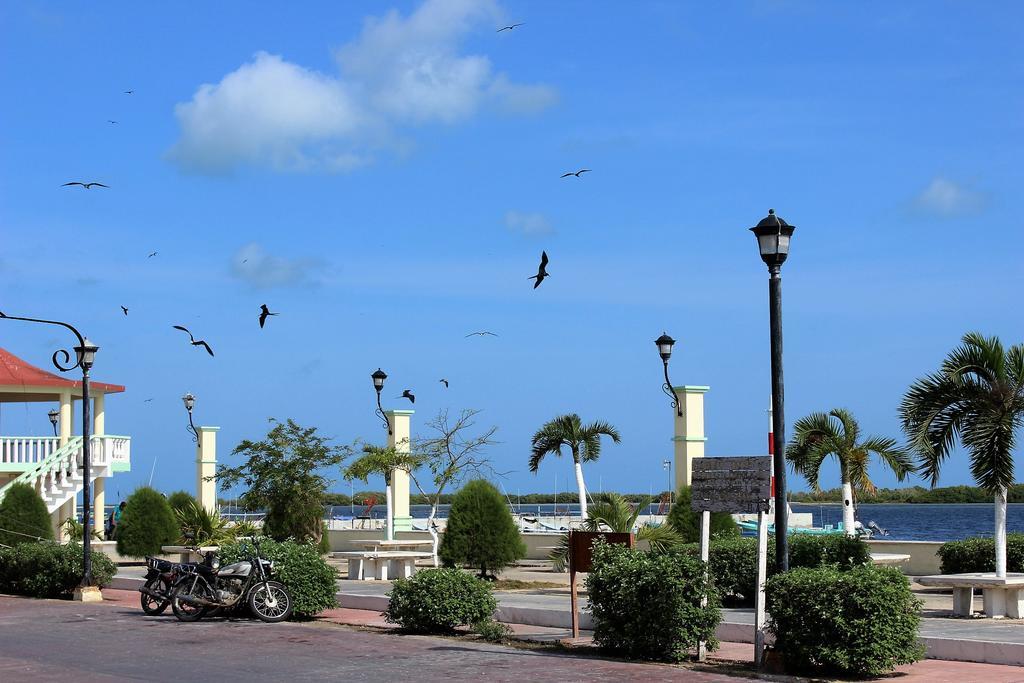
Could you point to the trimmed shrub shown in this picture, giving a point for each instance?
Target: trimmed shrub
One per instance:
(647, 605)
(845, 551)
(49, 570)
(480, 532)
(180, 500)
(686, 521)
(438, 600)
(146, 524)
(299, 566)
(861, 622)
(23, 516)
(979, 555)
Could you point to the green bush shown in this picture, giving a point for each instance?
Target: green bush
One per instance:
(861, 622)
(806, 550)
(480, 532)
(23, 516)
(147, 523)
(686, 521)
(979, 555)
(647, 605)
(180, 500)
(493, 631)
(199, 526)
(49, 570)
(299, 566)
(438, 600)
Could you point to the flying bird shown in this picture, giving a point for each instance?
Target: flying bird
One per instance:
(152, 255)
(195, 342)
(481, 334)
(264, 314)
(541, 272)
(87, 186)
(408, 394)
(125, 310)
(147, 400)
(577, 173)
(509, 27)
(129, 92)
(111, 121)
(444, 382)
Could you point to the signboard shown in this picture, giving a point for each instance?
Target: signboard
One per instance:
(740, 484)
(581, 557)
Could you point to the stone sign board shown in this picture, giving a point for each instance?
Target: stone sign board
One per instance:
(737, 484)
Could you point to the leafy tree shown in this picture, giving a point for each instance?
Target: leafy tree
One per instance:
(481, 532)
(147, 523)
(977, 396)
(686, 521)
(283, 476)
(820, 435)
(583, 442)
(383, 462)
(23, 516)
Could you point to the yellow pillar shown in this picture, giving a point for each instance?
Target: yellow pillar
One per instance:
(65, 417)
(399, 440)
(206, 467)
(98, 415)
(99, 496)
(689, 432)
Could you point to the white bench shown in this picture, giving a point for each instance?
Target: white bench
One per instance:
(1001, 597)
(381, 564)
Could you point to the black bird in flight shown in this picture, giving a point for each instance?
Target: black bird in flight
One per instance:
(152, 255)
(125, 310)
(147, 400)
(129, 92)
(481, 334)
(577, 173)
(509, 27)
(264, 314)
(444, 382)
(111, 121)
(408, 394)
(195, 342)
(541, 272)
(87, 186)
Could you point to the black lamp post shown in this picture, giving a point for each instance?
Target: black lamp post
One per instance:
(189, 400)
(54, 415)
(773, 237)
(665, 343)
(378, 384)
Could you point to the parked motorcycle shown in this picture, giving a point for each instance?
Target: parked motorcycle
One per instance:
(208, 586)
(161, 576)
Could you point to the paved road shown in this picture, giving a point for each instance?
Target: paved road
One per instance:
(51, 640)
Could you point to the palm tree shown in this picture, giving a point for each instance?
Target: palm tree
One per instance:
(977, 396)
(383, 461)
(836, 433)
(612, 512)
(583, 441)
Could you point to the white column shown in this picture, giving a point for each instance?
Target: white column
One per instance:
(98, 415)
(206, 466)
(66, 416)
(399, 439)
(99, 493)
(689, 432)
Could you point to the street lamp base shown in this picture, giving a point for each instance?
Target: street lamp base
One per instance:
(87, 594)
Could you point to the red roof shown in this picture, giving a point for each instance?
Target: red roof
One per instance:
(16, 372)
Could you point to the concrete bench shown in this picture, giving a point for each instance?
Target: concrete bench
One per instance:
(367, 565)
(1001, 597)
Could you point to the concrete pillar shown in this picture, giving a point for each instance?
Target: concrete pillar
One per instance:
(206, 466)
(400, 440)
(98, 415)
(99, 496)
(66, 417)
(689, 432)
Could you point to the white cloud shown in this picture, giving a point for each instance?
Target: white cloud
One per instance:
(944, 197)
(528, 223)
(399, 72)
(254, 265)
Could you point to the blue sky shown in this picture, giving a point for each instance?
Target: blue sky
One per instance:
(386, 175)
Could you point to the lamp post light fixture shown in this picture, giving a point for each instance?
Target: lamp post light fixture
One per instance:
(54, 415)
(378, 384)
(773, 240)
(189, 400)
(665, 343)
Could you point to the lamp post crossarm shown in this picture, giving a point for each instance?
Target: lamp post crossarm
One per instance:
(671, 393)
(61, 353)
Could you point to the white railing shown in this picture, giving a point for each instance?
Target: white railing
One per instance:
(22, 450)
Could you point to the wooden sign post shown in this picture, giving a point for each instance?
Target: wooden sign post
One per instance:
(581, 557)
(733, 485)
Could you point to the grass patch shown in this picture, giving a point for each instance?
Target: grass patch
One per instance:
(517, 585)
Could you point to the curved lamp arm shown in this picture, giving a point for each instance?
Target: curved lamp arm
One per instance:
(59, 353)
(192, 428)
(383, 416)
(671, 393)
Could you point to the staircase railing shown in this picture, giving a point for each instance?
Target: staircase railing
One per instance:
(55, 464)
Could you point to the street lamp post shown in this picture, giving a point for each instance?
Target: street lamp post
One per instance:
(665, 343)
(54, 415)
(189, 400)
(773, 238)
(667, 465)
(378, 383)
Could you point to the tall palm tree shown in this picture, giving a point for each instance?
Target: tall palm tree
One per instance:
(583, 441)
(383, 462)
(977, 396)
(836, 433)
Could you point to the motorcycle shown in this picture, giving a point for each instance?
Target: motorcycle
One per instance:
(209, 586)
(156, 592)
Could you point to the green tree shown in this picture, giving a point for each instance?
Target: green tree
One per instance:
(685, 520)
(23, 516)
(481, 532)
(977, 396)
(837, 434)
(181, 500)
(383, 462)
(583, 442)
(282, 473)
(147, 523)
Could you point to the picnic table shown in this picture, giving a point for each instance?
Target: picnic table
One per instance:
(1002, 596)
(394, 544)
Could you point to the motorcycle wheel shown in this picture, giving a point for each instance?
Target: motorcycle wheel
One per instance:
(187, 612)
(154, 606)
(270, 602)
